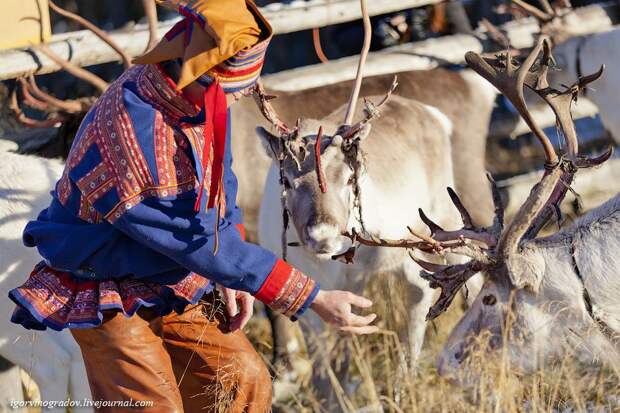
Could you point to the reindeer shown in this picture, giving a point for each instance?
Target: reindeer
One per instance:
(542, 296)
(336, 178)
(576, 54)
(52, 358)
(465, 98)
(68, 114)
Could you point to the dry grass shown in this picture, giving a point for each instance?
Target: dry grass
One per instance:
(378, 382)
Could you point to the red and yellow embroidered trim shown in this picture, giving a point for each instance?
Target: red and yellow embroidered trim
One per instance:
(286, 289)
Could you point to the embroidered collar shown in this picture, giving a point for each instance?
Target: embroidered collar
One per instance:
(165, 98)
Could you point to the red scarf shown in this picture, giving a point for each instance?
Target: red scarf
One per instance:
(214, 134)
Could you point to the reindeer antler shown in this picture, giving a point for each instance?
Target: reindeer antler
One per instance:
(552, 188)
(262, 100)
(549, 17)
(27, 121)
(360, 66)
(96, 30)
(36, 98)
(470, 240)
(371, 112)
(69, 106)
(317, 159)
(559, 174)
(74, 69)
(545, 15)
(503, 74)
(494, 246)
(150, 11)
(449, 278)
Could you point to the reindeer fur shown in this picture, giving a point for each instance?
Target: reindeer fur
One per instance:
(551, 319)
(52, 358)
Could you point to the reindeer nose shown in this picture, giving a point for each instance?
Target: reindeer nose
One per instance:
(324, 238)
(449, 361)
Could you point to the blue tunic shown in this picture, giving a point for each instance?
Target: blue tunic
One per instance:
(124, 207)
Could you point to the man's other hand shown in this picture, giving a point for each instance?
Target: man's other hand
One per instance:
(239, 306)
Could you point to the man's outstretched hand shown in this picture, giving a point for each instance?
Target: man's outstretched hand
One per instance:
(335, 307)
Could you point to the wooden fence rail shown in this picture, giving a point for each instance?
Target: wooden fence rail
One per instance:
(435, 52)
(84, 48)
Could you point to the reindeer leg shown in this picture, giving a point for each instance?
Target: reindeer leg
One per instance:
(331, 353)
(79, 388)
(10, 386)
(45, 361)
(289, 365)
(419, 300)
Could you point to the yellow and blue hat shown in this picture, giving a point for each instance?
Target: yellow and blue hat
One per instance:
(216, 39)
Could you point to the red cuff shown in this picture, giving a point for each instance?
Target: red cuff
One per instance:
(241, 229)
(274, 282)
(286, 289)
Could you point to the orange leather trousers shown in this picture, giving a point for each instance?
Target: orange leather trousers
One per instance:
(182, 363)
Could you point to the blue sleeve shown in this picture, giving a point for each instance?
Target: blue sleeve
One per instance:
(171, 227)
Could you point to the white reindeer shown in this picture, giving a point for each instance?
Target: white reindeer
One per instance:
(395, 168)
(356, 180)
(564, 302)
(53, 359)
(542, 296)
(463, 96)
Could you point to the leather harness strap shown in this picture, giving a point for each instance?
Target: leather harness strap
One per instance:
(603, 327)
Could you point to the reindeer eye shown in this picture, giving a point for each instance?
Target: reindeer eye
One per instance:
(489, 299)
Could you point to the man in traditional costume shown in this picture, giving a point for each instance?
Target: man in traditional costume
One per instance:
(143, 223)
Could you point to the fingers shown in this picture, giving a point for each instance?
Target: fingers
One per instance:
(334, 307)
(359, 301)
(359, 330)
(245, 313)
(360, 321)
(231, 301)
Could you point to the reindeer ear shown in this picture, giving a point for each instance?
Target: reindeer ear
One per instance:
(526, 269)
(269, 141)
